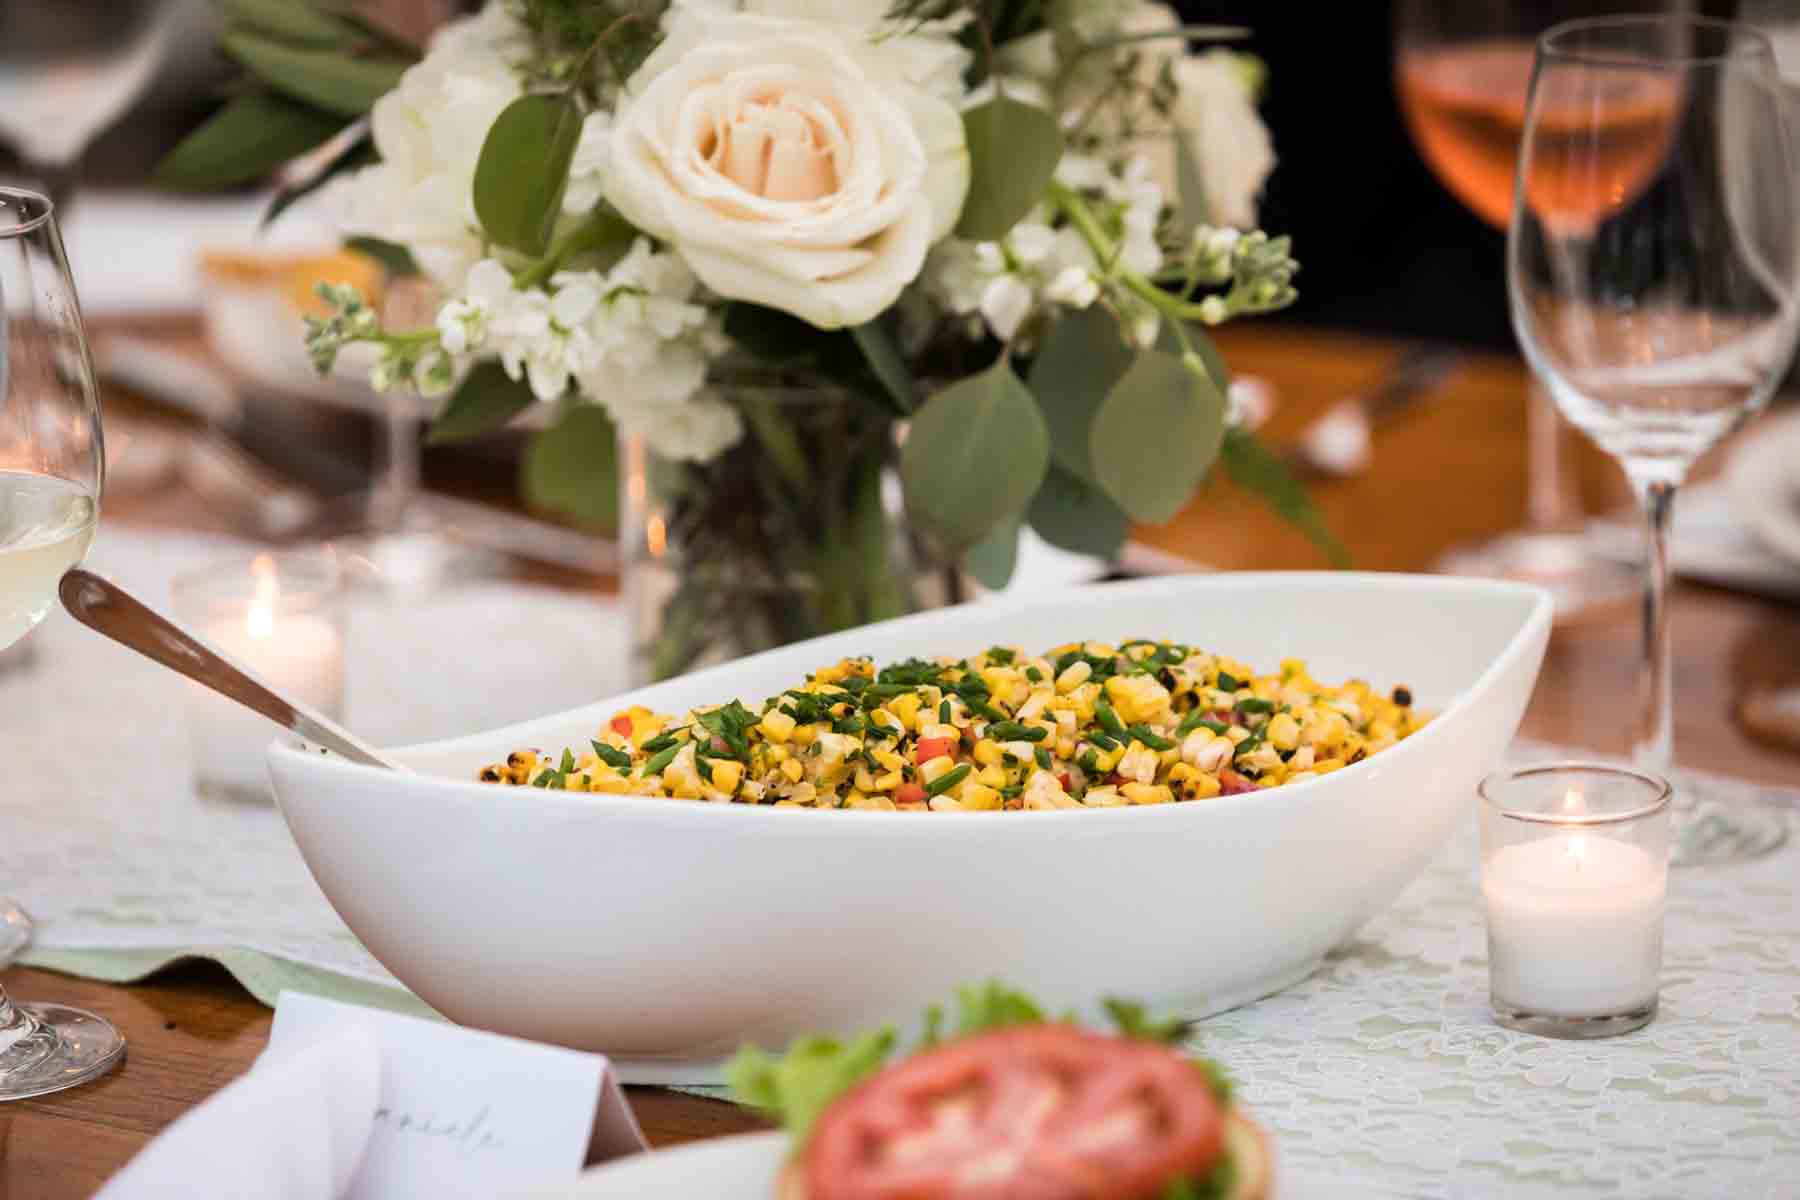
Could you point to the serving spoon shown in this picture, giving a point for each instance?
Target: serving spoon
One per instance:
(107, 608)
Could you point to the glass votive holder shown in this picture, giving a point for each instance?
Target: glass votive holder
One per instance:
(281, 616)
(1574, 873)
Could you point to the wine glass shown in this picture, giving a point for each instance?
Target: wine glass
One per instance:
(51, 471)
(1652, 269)
(1461, 72)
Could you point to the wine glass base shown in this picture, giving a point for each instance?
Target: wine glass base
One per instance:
(1709, 833)
(70, 1047)
(1583, 584)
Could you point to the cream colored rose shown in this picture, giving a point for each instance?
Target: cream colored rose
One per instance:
(784, 167)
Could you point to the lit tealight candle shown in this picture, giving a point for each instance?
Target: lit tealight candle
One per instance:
(1575, 892)
(291, 639)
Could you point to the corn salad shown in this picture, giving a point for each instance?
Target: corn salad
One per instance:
(1086, 725)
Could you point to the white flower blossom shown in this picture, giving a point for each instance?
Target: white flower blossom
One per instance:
(587, 169)
(429, 131)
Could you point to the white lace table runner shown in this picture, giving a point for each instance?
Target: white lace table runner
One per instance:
(1382, 1071)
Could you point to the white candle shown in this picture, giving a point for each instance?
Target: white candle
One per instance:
(300, 654)
(1575, 924)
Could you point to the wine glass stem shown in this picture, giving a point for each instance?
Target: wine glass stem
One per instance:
(398, 488)
(15, 1023)
(1546, 499)
(1655, 747)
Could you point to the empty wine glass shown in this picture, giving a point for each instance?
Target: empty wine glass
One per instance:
(51, 470)
(1652, 268)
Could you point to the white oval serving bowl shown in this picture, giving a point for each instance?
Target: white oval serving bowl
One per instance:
(665, 933)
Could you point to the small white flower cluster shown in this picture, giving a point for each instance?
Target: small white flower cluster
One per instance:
(631, 338)
(1005, 284)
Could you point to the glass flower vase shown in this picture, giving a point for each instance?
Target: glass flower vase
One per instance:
(797, 530)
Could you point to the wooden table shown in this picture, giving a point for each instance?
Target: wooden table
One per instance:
(1451, 473)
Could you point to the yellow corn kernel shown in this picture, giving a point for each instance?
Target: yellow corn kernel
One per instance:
(1147, 793)
(987, 752)
(777, 726)
(976, 797)
(1104, 797)
(931, 770)
(1183, 773)
(906, 707)
(1106, 760)
(1284, 732)
(1381, 731)
(793, 770)
(726, 774)
(890, 760)
(778, 754)
(887, 781)
(615, 786)
(868, 803)
(1201, 787)
(944, 804)
(1065, 747)
(1073, 676)
(864, 780)
(1326, 766)
(804, 793)
(992, 776)
(805, 735)
(575, 781)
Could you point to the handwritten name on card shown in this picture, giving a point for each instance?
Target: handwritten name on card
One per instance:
(466, 1113)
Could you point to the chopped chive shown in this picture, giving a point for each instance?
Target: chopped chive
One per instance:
(1012, 731)
(1153, 740)
(1012, 790)
(1043, 758)
(1109, 720)
(568, 762)
(1197, 719)
(1228, 682)
(1255, 705)
(1037, 676)
(1000, 656)
(658, 744)
(662, 759)
(943, 712)
(1102, 740)
(1089, 762)
(947, 780)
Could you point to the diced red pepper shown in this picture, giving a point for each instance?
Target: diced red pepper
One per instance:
(621, 725)
(909, 793)
(1233, 784)
(937, 747)
(1062, 777)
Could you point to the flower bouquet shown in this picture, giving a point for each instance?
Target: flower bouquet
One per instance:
(827, 296)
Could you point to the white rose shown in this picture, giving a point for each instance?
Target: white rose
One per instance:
(1216, 113)
(784, 168)
(421, 193)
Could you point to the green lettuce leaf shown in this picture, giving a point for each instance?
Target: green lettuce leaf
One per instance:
(802, 1083)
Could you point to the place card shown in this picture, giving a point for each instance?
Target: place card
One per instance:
(463, 1112)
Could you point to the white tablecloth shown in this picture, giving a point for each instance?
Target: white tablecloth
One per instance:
(1383, 1071)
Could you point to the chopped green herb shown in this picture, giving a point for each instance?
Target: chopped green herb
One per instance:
(1043, 758)
(568, 762)
(1089, 762)
(658, 744)
(618, 760)
(948, 780)
(1102, 740)
(1000, 656)
(1037, 676)
(1012, 731)
(664, 758)
(1197, 719)
(1109, 720)
(1229, 682)
(1256, 705)
(943, 712)
(1153, 740)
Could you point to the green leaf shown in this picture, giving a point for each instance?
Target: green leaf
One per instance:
(1251, 466)
(1075, 515)
(772, 335)
(1083, 355)
(992, 559)
(975, 456)
(1169, 338)
(1155, 436)
(887, 364)
(486, 399)
(245, 140)
(523, 169)
(993, 1005)
(394, 258)
(359, 153)
(803, 1082)
(1013, 151)
(290, 21)
(1133, 1020)
(323, 78)
(572, 467)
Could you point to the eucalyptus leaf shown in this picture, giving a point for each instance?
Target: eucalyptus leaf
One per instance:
(572, 467)
(523, 169)
(974, 456)
(394, 258)
(323, 78)
(486, 399)
(992, 559)
(886, 362)
(290, 20)
(251, 136)
(1082, 356)
(1251, 466)
(1169, 339)
(1075, 515)
(1013, 151)
(1156, 435)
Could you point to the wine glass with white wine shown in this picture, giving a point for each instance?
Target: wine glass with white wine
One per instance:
(52, 465)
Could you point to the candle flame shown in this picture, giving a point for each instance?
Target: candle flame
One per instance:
(1574, 802)
(1578, 851)
(259, 623)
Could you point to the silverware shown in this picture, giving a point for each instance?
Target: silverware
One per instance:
(1338, 443)
(107, 608)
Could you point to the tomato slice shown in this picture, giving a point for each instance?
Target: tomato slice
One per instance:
(1037, 1112)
